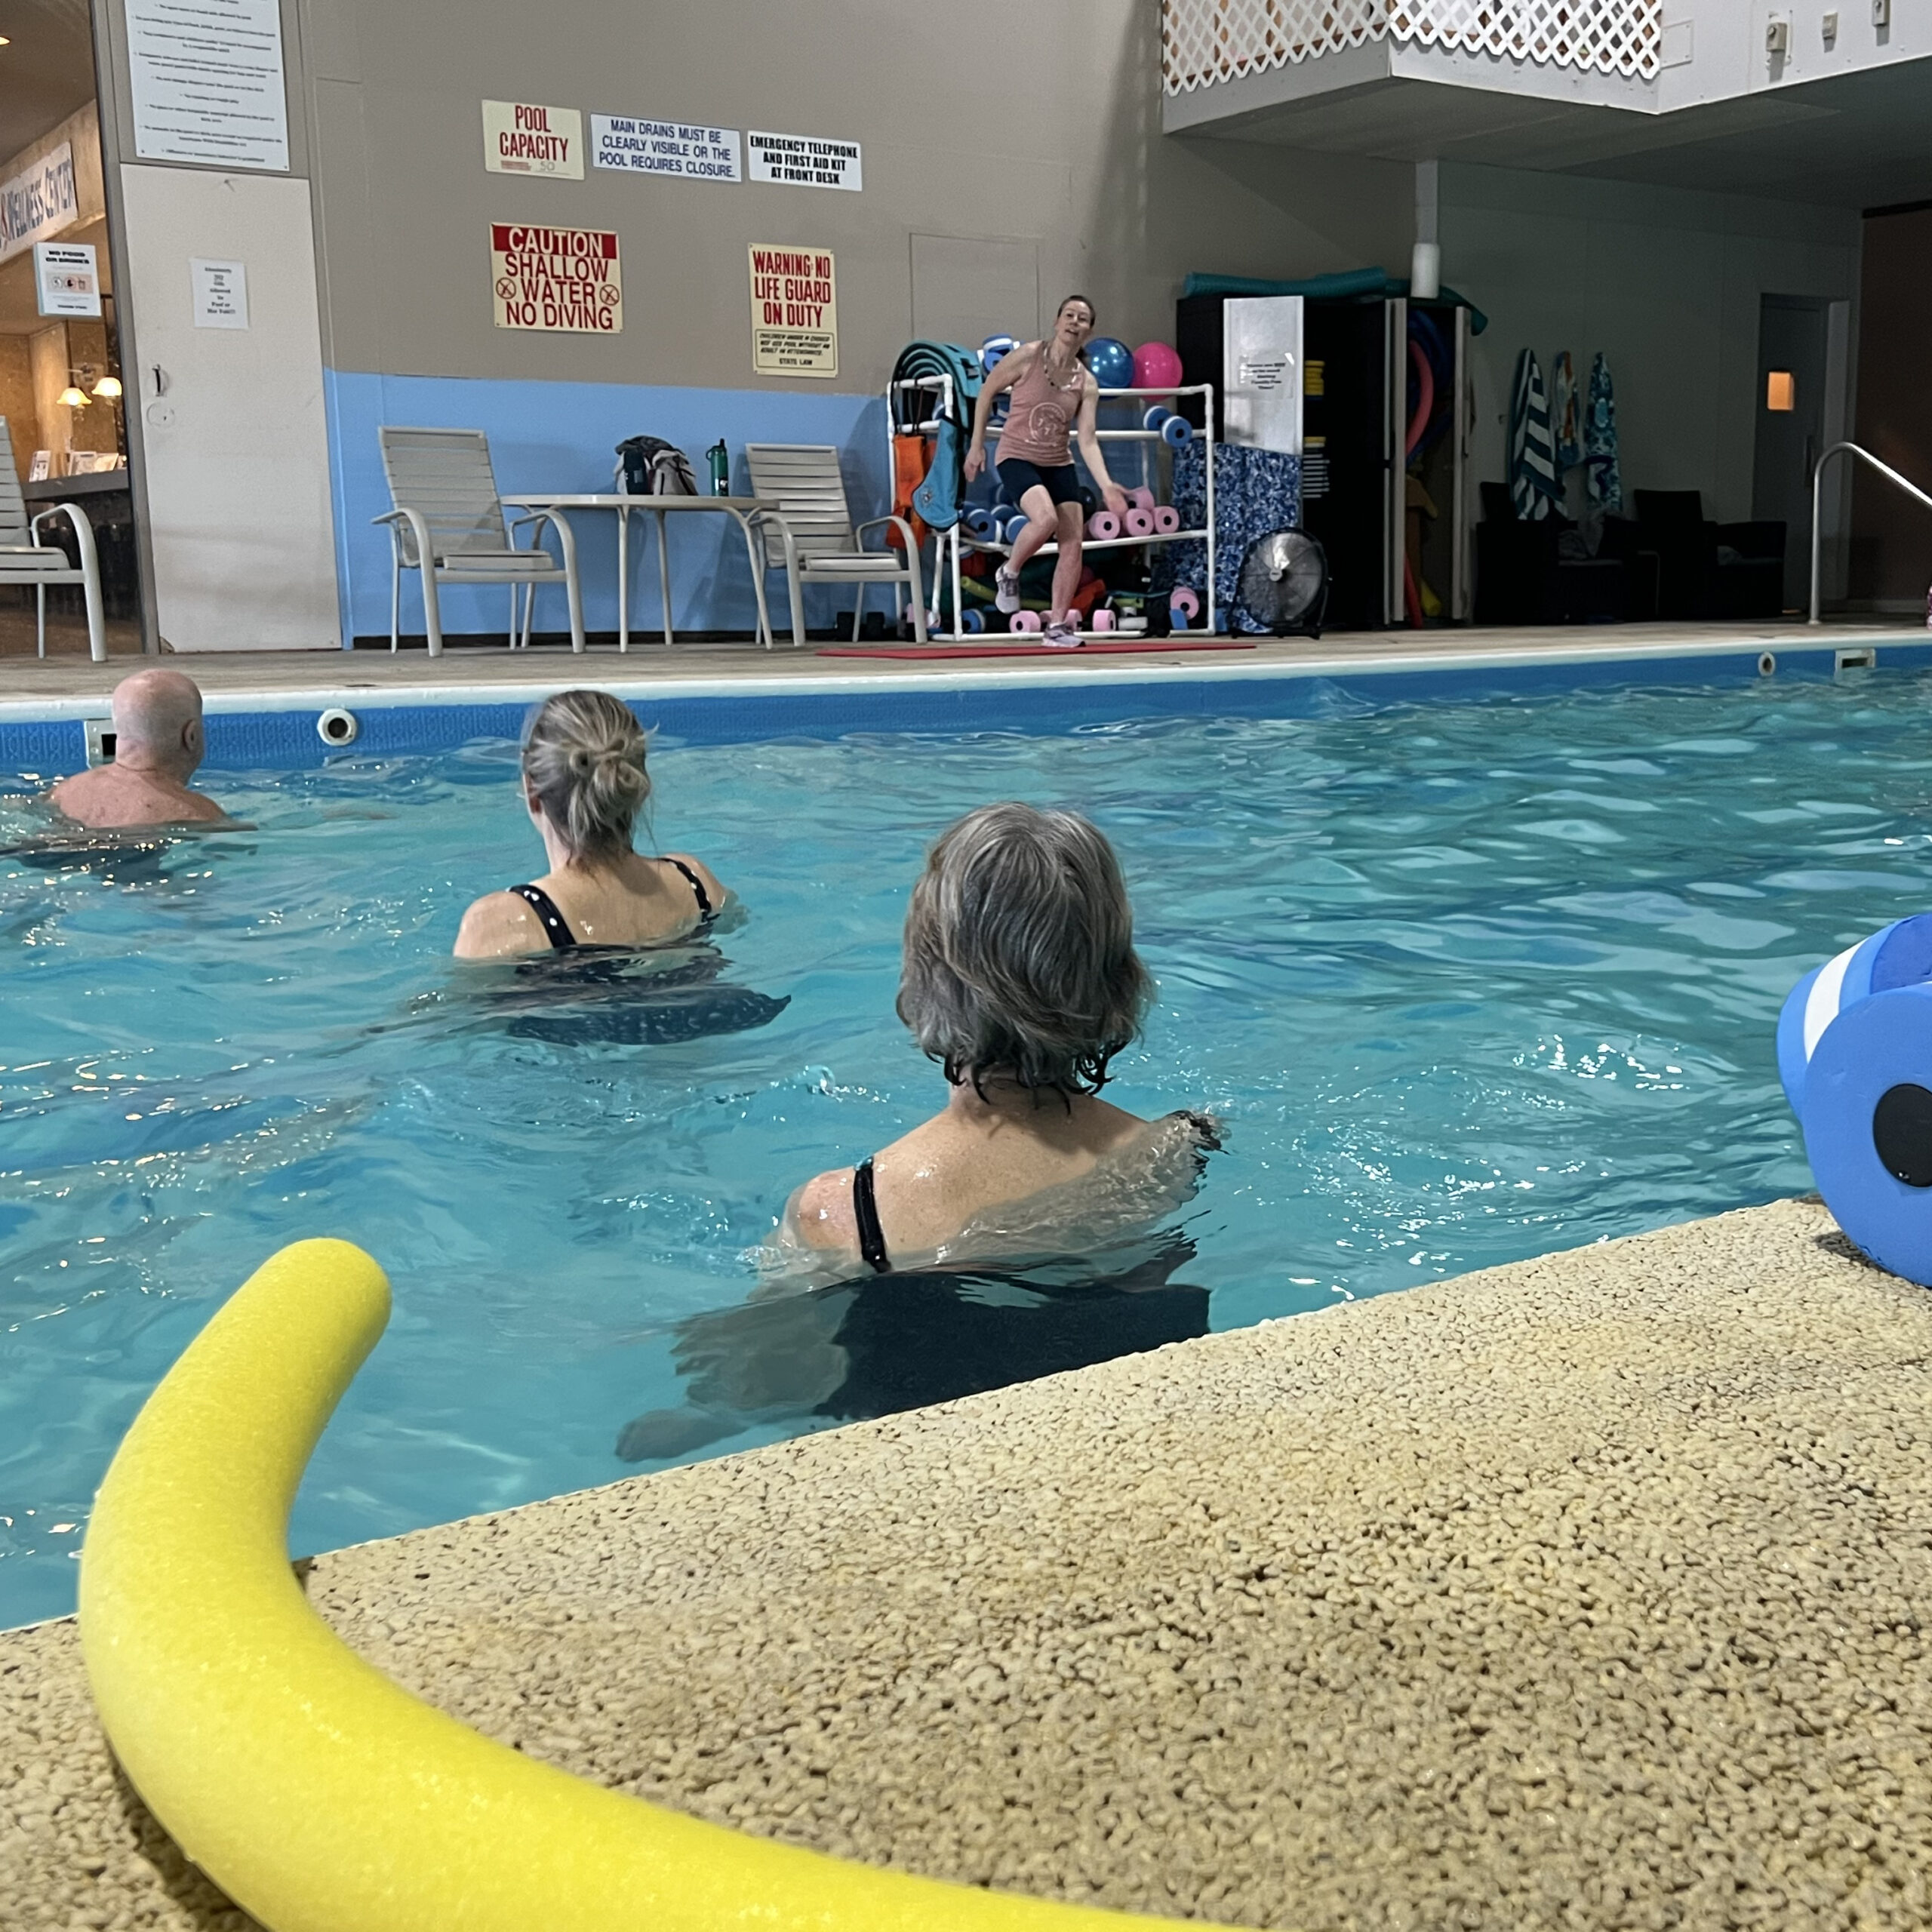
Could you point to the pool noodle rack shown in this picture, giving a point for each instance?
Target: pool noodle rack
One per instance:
(950, 545)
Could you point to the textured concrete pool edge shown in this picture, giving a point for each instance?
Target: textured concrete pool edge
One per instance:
(1579, 1591)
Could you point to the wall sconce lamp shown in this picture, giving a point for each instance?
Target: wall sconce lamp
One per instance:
(108, 389)
(71, 398)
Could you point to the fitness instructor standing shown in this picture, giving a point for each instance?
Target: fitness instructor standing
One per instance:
(1053, 393)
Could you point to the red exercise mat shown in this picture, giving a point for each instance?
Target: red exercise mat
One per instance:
(1098, 644)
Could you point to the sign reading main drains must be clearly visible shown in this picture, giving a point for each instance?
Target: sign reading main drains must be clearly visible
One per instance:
(664, 147)
(795, 312)
(521, 137)
(558, 279)
(805, 160)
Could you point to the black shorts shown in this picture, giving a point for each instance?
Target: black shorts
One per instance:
(1061, 482)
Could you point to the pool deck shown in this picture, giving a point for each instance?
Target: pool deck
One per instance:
(1584, 1592)
(320, 677)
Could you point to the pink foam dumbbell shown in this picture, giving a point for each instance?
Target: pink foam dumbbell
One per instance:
(1183, 606)
(1139, 523)
(1023, 620)
(1101, 620)
(1166, 519)
(1103, 526)
(1140, 498)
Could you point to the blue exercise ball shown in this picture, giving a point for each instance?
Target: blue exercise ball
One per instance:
(994, 350)
(1868, 1127)
(1112, 362)
(1899, 954)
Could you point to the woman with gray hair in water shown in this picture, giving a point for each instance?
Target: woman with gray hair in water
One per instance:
(1021, 980)
(584, 784)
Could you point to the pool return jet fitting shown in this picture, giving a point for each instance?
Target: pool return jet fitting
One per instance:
(319, 1795)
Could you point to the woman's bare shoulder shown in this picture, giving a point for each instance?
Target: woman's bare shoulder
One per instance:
(715, 889)
(499, 926)
(819, 1215)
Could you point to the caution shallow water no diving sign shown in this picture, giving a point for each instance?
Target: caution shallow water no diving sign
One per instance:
(557, 279)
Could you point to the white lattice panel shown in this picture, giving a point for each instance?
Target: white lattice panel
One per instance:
(1206, 40)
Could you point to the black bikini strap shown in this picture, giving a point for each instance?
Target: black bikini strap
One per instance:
(865, 1211)
(544, 907)
(697, 885)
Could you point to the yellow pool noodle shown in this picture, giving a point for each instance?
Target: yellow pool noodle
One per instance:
(319, 1795)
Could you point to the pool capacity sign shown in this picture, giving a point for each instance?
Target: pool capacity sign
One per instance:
(795, 312)
(525, 137)
(559, 278)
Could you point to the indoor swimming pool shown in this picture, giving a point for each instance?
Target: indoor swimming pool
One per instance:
(1462, 983)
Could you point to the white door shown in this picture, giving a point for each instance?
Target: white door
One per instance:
(230, 389)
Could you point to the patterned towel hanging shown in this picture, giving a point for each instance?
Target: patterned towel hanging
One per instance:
(1605, 478)
(1567, 413)
(1533, 486)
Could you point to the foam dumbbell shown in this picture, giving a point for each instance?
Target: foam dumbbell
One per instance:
(978, 524)
(972, 621)
(1156, 418)
(1023, 620)
(1138, 522)
(1140, 498)
(1166, 519)
(1176, 431)
(1012, 528)
(1103, 526)
(1103, 619)
(1183, 606)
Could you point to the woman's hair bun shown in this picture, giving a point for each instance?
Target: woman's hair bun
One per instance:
(583, 757)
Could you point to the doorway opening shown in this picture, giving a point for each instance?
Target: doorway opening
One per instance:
(1794, 407)
(63, 456)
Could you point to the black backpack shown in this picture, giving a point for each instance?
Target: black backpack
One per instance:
(649, 466)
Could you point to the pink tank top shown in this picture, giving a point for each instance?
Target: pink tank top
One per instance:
(1042, 416)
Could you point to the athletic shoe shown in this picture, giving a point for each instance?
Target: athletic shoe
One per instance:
(1061, 636)
(1006, 591)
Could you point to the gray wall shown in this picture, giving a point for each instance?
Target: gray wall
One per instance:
(1665, 282)
(1058, 146)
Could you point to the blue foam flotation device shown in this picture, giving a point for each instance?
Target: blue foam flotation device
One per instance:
(1855, 1055)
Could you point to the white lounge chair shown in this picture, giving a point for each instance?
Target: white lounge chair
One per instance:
(447, 512)
(810, 536)
(25, 558)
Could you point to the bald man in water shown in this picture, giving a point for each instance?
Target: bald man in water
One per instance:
(157, 743)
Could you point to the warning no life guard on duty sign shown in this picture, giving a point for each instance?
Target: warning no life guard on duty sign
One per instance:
(795, 312)
(558, 279)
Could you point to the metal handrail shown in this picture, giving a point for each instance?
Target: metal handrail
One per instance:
(1885, 469)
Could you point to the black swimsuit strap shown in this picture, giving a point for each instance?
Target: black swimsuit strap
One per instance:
(697, 885)
(865, 1211)
(554, 924)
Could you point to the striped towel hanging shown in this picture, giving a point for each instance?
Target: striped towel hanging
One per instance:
(1532, 455)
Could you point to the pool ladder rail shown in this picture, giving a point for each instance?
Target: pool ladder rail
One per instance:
(1884, 469)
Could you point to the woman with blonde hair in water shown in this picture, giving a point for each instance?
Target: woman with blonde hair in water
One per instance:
(1055, 401)
(584, 783)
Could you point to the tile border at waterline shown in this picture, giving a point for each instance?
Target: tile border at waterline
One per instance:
(276, 730)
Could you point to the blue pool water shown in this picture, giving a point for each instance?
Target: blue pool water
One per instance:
(1465, 983)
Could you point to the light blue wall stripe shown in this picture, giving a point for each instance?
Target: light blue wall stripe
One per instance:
(562, 436)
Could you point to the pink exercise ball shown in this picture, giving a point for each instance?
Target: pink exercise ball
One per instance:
(1156, 366)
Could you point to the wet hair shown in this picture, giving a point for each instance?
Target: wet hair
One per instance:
(1018, 952)
(1093, 313)
(584, 760)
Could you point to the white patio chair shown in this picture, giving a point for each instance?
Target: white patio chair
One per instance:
(810, 536)
(447, 512)
(25, 558)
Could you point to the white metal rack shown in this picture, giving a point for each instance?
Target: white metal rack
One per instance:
(950, 545)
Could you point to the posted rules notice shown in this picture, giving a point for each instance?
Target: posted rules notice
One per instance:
(564, 278)
(795, 312)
